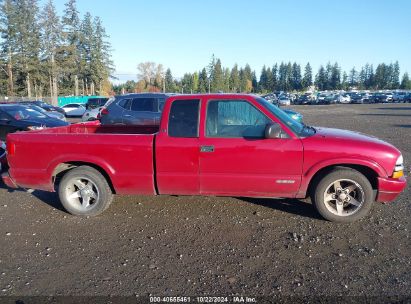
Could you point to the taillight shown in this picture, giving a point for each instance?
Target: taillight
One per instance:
(11, 148)
(104, 111)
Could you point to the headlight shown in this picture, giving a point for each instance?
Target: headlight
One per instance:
(399, 167)
(31, 128)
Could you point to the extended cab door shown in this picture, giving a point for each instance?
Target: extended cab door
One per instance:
(177, 148)
(235, 157)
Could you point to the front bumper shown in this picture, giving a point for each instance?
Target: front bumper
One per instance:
(390, 188)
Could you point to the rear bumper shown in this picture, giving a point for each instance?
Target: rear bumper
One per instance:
(8, 180)
(389, 188)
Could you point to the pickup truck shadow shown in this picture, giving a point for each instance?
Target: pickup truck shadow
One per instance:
(397, 109)
(49, 198)
(293, 206)
(402, 126)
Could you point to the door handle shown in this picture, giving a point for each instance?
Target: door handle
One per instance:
(207, 149)
(127, 115)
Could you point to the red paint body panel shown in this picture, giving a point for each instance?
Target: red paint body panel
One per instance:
(126, 158)
(138, 160)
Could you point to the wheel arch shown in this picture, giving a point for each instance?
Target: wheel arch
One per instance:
(63, 168)
(369, 172)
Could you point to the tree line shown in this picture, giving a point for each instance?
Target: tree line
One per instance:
(280, 77)
(43, 54)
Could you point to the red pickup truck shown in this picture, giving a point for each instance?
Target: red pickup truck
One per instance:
(222, 145)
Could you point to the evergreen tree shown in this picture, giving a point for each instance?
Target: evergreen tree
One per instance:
(234, 79)
(274, 77)
(217, 80)
(282, 77)
(86, 45)
(8, 27)
(328, 72)
(169, 82)
(321, 79)
(243, 81)
(101, 64)
(308, 76)
(203, 81)
(254, 82)
(226, 76)
(195, 82)
(353, 78)
(296, 80)
(405, 82)
(395, 76)
(70, 55)
(344, 83)
(263, 85)
(27, 46)
(335, 80)
(51, 44)
(382, 77)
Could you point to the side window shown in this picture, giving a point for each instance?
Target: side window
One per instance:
(125, 103)
(4, 116)
(235, 119)
(143, 105)
(183, 120)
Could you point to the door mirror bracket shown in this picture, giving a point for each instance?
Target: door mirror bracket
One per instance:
(274, 130)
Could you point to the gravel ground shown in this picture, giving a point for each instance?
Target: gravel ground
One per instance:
(186, 246)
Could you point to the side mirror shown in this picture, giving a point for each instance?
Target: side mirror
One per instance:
(273, 131)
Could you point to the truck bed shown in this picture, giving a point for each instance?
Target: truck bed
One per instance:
(125, 153)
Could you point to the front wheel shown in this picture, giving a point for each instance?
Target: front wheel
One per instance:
(344, 195)
(84, 191)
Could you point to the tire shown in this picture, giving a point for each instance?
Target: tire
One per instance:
(344, 195)
(84, 191)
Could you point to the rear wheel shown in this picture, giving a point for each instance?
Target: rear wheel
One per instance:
(84, 191)
(344, 195)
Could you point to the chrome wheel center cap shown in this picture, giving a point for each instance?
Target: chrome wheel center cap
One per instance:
(342, 196)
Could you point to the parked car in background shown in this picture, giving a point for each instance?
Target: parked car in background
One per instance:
(356, 98)
(271, 97)
(284, 100)
(95, 102)
(134, 109)
(378, 97)
(331, 99)
(91, 114)
(3, 159)
(302, 100)
(16, 117)
(53, 114)
(321, 98)
(46, 106)
(407, 97)
(74, 109)
(389, 96)
(343, 98)
(294, 115)
(399, 96)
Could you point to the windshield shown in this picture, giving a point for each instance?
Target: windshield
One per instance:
(38, 109)
(297, 127)
(23, 113)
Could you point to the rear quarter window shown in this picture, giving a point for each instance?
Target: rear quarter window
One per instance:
(184, 117)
